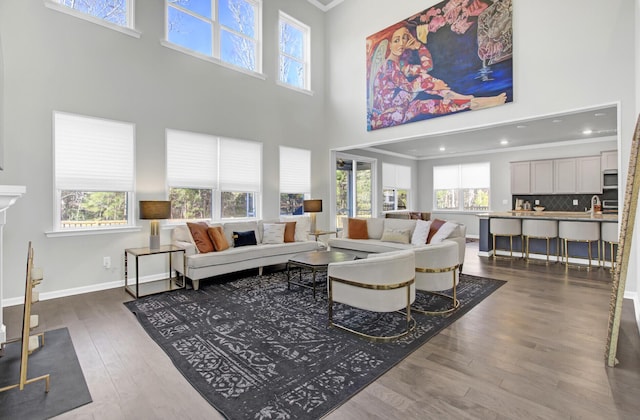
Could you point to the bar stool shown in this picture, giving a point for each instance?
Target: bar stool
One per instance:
(578, 232)
(505, 227)
(609, 234)
(540, 229)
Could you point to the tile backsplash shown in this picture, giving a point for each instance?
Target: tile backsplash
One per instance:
(564, 202)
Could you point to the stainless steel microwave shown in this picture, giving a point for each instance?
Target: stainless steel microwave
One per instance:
(610, 179)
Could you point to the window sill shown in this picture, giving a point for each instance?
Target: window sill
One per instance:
(96, 231)
(294, 88)
(210, 59)
(66, 10)
(471, 212)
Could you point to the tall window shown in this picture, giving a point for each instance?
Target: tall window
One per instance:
(212, 178)
(118, 12)
(93, 171)
(228, 30)
(355, 186)
(396, 186)
(294, 52)
(462, 187)
(295, 179)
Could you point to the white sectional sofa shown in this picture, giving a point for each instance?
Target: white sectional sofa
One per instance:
(197, 266)
(375, 244)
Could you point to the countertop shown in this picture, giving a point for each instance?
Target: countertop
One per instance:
(552, 215)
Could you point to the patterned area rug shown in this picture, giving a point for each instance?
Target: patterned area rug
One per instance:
(256, 350)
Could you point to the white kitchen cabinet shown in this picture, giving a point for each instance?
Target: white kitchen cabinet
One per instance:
(589, 175)
(520, 178)
(565, 176)
(609, 160)
(541, 176)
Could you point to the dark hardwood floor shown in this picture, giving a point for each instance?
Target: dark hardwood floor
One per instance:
(532, 350)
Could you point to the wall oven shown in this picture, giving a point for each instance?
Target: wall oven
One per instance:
(610, 179)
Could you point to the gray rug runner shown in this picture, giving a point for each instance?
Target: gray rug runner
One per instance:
(57, 358)
(256, 350)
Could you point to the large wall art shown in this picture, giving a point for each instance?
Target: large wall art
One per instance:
(455, 56)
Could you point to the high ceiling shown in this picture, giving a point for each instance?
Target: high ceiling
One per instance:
(325, 4)
(568, 128)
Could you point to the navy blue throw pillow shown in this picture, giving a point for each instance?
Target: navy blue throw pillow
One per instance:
(244, 238)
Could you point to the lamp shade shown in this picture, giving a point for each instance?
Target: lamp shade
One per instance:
(312, 206)
(155, 210)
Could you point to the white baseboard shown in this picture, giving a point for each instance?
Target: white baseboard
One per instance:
(635, 298)
(81, 290)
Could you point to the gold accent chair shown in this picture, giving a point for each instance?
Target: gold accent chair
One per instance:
(436, 271)
(540, 229)
(505, 227)
(380, 283)
(570, 231)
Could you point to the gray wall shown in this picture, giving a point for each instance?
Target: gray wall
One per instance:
(568, 55)
(53, 61)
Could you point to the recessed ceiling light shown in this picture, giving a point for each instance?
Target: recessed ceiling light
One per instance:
(599, 114)
(442, 148)
(587, 131)
(556, 121)
(504, 142)
(521, 126)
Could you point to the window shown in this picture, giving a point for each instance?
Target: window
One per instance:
(111, 13)
(93, 171)
(294, 53)
(462, 187)
(228, 30)
(396, 186)
(205, 173)
(295, 179)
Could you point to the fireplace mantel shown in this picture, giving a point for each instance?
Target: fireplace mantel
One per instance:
(9, 194)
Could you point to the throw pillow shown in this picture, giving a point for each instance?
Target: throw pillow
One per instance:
(401, 236)
(289, 232)
(435, 225)
(216, 234)
(273, 233)
(358, 229)
(303, 224)
(200, 236)
(244, 238)
(443, 233)
(420, 233)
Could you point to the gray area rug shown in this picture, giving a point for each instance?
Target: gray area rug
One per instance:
(256, 350)
(57, 358)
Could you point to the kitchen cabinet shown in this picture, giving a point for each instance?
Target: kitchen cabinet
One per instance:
(565, 176)
(589, 175)
(541, 176)
(520, 178)
(609, 160)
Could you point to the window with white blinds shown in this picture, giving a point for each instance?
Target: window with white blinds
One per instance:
(295, 179)
(463, 187)
(192, 160)
(240, 165)
(94, 172)
(396, 186)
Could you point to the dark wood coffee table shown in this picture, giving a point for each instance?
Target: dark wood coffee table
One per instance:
(314, 261)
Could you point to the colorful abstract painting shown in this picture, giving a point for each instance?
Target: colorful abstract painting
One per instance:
(455, 56)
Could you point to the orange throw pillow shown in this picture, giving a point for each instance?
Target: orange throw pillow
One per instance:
(201, 237)
(216, 234)
(289, 232)
(435, 225)
(358, 229)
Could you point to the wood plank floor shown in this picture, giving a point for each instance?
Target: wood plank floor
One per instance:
(532, 350)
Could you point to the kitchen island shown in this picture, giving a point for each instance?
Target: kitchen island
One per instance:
(579, 251)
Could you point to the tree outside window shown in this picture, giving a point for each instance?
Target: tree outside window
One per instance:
(294, 52)
(464, 187)
(113, 11)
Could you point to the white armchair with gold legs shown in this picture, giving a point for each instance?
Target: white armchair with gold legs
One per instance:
(380, 283)
(436, 271)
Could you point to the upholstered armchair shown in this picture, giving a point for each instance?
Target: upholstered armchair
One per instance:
(436, 271)
(379, 283)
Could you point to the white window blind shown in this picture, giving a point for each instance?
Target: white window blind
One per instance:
(191, 159)
(240, 165)
(475, 175)
(396, 176)
(295, 170)
(446, 177)
(93, 154)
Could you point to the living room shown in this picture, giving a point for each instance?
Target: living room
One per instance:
(568, 56)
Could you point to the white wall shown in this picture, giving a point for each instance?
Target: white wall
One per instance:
(568, 55)
(53, 61)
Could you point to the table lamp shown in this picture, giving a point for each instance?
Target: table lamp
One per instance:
(154, 211)
(312, 207)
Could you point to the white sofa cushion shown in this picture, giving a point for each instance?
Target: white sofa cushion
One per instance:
(234, 255)
(400, 224)
(443, 233)
(367, 245)
(273, 233)
(421, 232)
(401, 236)
(375, 227)
(303, 225)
